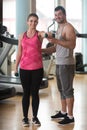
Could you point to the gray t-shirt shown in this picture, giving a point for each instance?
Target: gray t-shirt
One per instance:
(64, 56)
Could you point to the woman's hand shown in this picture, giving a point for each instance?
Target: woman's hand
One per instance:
(16, 73)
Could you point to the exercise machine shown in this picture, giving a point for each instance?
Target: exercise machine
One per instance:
(80, 67)
(6, 91)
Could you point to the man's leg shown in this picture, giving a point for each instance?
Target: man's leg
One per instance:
(63, 105)
(67, 75)
(70, 103)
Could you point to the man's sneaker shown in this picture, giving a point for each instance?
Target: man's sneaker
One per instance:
(66, 121)
(36, 121)
(25, 122)
(58, 115)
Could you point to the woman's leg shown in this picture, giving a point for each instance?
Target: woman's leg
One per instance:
(37, 76)
(26, 84)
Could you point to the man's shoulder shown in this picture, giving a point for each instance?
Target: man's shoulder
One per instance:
(69, 25)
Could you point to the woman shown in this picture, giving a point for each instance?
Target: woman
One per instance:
(29, 57)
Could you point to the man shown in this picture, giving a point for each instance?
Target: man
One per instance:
(64, 44)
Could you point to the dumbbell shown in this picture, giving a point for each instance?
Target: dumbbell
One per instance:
(46, 35)
(16, 74)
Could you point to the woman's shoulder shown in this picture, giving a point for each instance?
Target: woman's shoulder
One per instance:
(21, 35)
(41, 33)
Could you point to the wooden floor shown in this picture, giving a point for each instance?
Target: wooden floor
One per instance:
(11, 111)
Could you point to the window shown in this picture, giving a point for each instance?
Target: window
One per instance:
(74, 16)
(45, 11)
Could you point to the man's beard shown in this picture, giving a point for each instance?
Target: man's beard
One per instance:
(60, 22)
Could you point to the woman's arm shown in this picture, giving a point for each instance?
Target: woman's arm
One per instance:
(49, 50)
(19, 53)
(43, 34)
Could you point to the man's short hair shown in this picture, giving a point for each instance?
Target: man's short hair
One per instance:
(60, 8)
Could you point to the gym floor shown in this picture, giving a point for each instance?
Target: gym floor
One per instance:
(11, 110)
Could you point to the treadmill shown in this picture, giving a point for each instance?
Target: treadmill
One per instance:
(6, 90)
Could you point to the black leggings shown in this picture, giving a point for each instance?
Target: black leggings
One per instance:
(31, 80)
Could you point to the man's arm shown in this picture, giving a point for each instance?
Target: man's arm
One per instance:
(69, 38)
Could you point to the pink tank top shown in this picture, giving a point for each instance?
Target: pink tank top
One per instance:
(31, 53)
